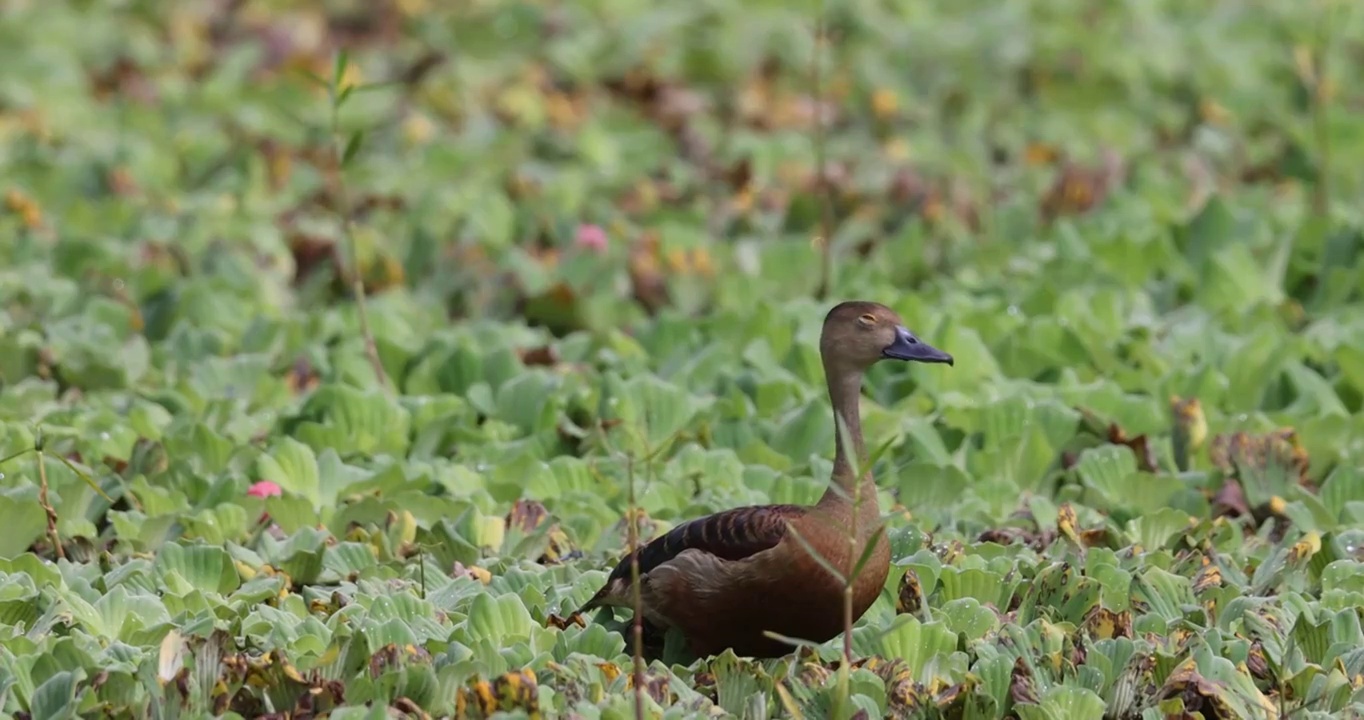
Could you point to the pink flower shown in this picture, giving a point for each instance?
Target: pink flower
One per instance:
(265, 488)
(591, 237)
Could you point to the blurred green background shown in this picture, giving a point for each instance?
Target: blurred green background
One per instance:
(596, 240)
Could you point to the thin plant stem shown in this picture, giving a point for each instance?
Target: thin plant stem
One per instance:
(858, 467)
(636, 622)
(719, 215)
(826, 208)
(421, 569)
(1321, 119)
(334, 95)
(850, 576)
(47, 507)
(848, 587)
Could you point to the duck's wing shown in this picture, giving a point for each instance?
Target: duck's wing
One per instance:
(728, 535)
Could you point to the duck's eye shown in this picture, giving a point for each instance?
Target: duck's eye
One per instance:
(868, 319)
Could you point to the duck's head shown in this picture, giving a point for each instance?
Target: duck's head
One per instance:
(859, 333)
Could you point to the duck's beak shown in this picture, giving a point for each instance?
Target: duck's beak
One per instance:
(908, 347)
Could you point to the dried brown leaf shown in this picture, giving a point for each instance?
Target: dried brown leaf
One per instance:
(556, 621)
(1230, 500)
(302, 376)
(1078, 188)
(910, 597)
(1236, 452)
(1104, 624)
(655, 686)
(1022, 688)
(526, 515)
(1198, 693)
(648, 286)
(1139, 445)
(1066, 522)
(1208, 578)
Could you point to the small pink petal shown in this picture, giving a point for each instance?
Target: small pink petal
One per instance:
(592, 237)
(265, 488)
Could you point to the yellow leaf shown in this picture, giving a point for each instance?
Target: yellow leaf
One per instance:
(1066, 522)
(408, 525)
(245, 571)
(1039, 154)
(884, 103)
(1305, 548)
(1213, 112)
(171, 658)
(418, 128)
(898, 149)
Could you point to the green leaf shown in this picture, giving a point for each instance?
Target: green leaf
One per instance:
(492, 218)
(1155, 530)
(1064, 702)
(737, 682)
(985, 586)
(500, 619)
(23, 519)
(969, 618)
(1165, 593)
(56, 698)
(203, 567)
(1107, 469)
(652, 413)
(1344, 486)
(339, 64)
(353, 144)
(867, 550)
(293, 466)
(920, 645)
(350, 421)
(1313, 638)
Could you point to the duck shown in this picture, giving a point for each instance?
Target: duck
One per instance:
(733, 579)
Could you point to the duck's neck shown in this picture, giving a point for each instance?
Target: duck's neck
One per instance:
(845, 392)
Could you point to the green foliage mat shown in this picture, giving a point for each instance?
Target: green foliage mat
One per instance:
(593, 238)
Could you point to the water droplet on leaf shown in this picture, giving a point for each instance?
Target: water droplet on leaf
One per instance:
(1350, 543)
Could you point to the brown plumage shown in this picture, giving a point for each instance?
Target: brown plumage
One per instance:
(725, 578)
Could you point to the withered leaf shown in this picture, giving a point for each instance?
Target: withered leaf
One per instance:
(1201, 695)
(1021, 686)
(655, 686)
(302, 376)
(1114, 433)
(1140, 447)
(526, 515)
(409, 708)
(559, 622)
(544, 355)
(1066, 522)
(1104, 624)
(647, 283)
(1079, 653)
(910, 598)
(1258, 663)
(1208, 578)
(1078, 189)
(311, 253)
(1038, 540)
(1230, 500)
(1240, 452)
